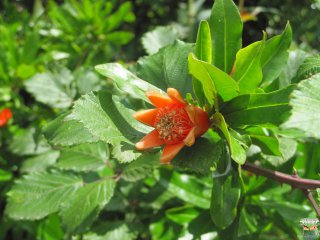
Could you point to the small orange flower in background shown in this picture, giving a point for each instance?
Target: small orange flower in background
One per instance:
(176, 123)
(5, 116)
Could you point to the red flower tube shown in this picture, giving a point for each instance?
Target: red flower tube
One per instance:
(176, 123)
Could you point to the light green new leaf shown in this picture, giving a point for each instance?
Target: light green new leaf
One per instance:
(84, 157)
(258, 108)
(54, 89)
(275, 55)
(158, 38)
(202, 52)
(64, 132)
(38, 195)
(225, 196)
(126, 81)
(305, 101)
(110, 121)
(186, 187)
(82, 207)
(182, 215)
(226, 31)
(248, 70)
(214, 81)
(238, 154)
(167, 68)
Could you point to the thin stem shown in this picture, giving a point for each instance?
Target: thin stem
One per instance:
(241, 5)
(294, 181)
(312, 201)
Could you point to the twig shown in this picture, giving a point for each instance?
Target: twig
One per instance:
(312, 201)
(300, 183)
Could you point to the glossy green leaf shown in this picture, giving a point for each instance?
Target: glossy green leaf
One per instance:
(167, 68)
(182, 215)
(304, 100)
(224, 199)
(55, 89)
(84, 157)
(238, 154)
(258, 108)
(248, 70)
(125, 80)
(83, 207)
(214, 81)
(275, 55)
(226, 31)
(186, 187)
(38, 195)
(158, 38)
(204, 53)
(65, 132)
(247, 224)
(200, 157)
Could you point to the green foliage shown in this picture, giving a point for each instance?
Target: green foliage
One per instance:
(226, 32)
(68, 156)
(303, 101)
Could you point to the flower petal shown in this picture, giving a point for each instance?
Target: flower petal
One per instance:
(190, 138)
(149, 141)
(190, 109)
(159, 100)
(175, 96)
(202, 121)
(170, 151)
(146, 116)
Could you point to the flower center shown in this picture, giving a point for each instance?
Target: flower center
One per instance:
(173, 123)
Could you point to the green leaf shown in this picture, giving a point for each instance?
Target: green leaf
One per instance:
(158, 38)
(258, 108)
(87, 80)
(38, 195)
(64, 132)
(167, 68)
(248, 70)
(275, 55)
(226, 31)
(247, 224)
(119, 37)
(23, 142)
(186, 187)
(126, 81)
(287, 149)
(110, 121)
(200, 157)
(310, 67)
(304, 101)
(182, 215)
(5, 175)
(214, 81)
(84, 157)
(141, 168)
(296, 58)
(110, 230)
(55, 89)
(83, 207)
(238, 154)
(39, 163)
(202, 52)
(224, 199)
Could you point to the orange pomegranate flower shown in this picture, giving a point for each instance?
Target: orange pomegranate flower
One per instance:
(5, 116)
(176, 123)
